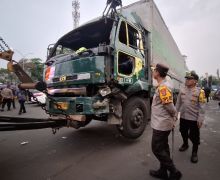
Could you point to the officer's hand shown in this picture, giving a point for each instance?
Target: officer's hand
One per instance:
(175, 117)
(199, 124)
(174, 121)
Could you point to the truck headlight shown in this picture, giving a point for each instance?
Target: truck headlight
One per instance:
(105, 91)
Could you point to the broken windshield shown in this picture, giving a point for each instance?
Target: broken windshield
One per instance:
(88, 36)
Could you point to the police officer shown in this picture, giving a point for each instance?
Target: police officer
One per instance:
(190, 104)
(163, 118)
(7, 96)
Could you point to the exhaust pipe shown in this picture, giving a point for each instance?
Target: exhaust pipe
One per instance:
(40, 86)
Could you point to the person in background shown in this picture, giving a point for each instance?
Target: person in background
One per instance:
(207, 93)
(21, 94)
(190, 104)
(1, 96)
(7, 96)
(14, 97)
(163, 118)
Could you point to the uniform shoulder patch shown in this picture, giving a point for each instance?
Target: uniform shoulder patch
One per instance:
(165, 95)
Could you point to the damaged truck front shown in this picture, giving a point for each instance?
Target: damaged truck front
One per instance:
(101, 71)
(98, 71)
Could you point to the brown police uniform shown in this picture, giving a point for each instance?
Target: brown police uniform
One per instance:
(163, 117)
(190, 104)
(162, 122)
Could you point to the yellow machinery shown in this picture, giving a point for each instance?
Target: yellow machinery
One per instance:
(6, 53)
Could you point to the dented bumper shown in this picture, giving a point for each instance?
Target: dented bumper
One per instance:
(77, 105)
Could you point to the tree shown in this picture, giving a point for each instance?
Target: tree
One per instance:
(7, 77)
(36, 69)
(33, 67)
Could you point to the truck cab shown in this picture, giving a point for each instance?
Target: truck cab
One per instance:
(101, 71)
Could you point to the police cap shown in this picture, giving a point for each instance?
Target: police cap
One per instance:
(162, 69)
(192, 75)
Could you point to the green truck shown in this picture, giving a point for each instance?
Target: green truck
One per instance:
(102, 69)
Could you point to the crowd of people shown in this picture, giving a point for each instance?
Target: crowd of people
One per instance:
(8, 96)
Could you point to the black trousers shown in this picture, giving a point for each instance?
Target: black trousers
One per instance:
(161, 150)
(207, 98)
(189, 130)
(22, 107)
(8, 102)
(13, 103)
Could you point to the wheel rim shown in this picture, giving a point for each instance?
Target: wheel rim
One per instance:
(137, 118)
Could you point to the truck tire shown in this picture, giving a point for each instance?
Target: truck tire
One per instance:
(134, 118)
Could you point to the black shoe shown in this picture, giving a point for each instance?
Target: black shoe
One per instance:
(184, 147)
(175, 175)
(24, 112)
(194, 157)
(161, 174)
(19, 113)
(2, 110)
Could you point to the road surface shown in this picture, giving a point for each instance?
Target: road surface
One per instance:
(98, 152)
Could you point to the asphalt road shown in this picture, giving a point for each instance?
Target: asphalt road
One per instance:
(98, 152)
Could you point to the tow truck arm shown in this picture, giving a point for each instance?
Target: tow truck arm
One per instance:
(6, 53)
(9, 123)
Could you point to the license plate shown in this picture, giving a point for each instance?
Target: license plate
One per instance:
(61, 105)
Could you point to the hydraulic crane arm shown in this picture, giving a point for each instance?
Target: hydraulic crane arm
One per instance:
(6, 53)
(111, 6)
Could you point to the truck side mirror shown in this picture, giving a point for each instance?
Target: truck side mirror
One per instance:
(49, 50)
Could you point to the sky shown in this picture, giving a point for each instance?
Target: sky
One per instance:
(29, 26)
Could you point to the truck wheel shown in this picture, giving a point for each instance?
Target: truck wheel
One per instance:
(134, 118)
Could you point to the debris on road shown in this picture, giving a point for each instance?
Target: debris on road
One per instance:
(24, 143)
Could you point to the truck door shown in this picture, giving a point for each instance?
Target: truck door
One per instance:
(129, 54)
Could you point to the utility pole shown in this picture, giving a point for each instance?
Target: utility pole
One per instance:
(218, 77)
(75, 13)
(217, 73)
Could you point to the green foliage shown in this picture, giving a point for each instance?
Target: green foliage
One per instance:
(7, 77)
(33, 67)
(36, 69)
